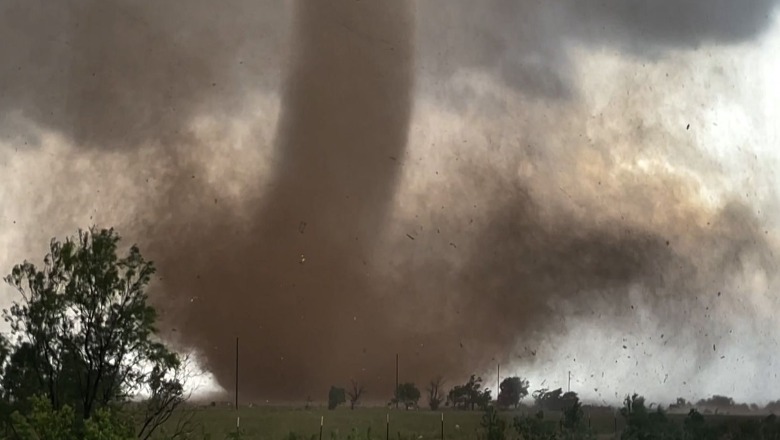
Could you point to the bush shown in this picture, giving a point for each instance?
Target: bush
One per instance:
(535, 428)
(336, 396)
(494, 426)
(45, 423)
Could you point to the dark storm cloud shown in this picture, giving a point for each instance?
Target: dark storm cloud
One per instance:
(295, 274)
(117, 74)
(673, 23)
(524, 41)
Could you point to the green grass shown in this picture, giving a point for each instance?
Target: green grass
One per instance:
(277, 423)
(264, 423)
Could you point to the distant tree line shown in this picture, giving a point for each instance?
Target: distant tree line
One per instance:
(641, 422)
(468, 396)
(569, 421)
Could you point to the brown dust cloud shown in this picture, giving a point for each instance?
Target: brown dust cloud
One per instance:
(316, 242)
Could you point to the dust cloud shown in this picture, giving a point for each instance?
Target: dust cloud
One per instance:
(337, 183)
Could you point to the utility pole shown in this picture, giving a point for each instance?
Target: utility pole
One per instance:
(236, 372)
(498, 380)
(238, 417)
(569, 387)
(395, 393)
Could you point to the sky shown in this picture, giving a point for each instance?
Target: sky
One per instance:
(585, 186)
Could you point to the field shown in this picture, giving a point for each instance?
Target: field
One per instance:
(277, 423)
(288, 423)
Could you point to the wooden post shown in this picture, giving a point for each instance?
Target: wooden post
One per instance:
(395, 393)
(388, 427)
(442, 426)
(236, 373)
(238, 417)
(615, 417)
(322, 422)
(498, 380)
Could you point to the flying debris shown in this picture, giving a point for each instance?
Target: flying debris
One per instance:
(559, 199)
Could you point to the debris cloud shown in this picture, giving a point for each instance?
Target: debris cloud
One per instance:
(338, 182)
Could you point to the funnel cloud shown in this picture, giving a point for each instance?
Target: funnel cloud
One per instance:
(334, 183)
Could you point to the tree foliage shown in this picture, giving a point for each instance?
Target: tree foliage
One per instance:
(46, 423)
(407, 394)
(555, 400)
(469, 395)
(511, 391)
(83, 334)
(721, 404)
(336, 396)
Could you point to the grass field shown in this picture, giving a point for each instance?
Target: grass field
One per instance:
(287, 423)
(275, 423)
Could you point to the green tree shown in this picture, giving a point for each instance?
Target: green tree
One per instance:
(469, 395)
(408, 394)
(83, 334)
(555, 400)
(511, 391)
(46, 423)
(336, 396)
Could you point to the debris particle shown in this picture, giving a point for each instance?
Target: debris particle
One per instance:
(301, 227)
(410, 237)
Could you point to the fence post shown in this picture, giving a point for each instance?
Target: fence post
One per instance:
(322, 422)
(442, 426)
(616, 434)
(387, 435)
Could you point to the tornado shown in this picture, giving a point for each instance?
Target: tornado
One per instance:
(461, 184)
(297, 288)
